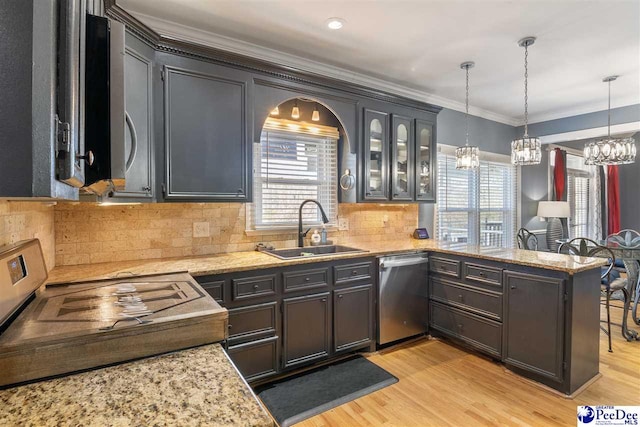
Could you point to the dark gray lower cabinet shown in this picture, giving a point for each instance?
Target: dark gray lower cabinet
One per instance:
(534, 324)
(352, 317)
(306, 329)
(256, 359)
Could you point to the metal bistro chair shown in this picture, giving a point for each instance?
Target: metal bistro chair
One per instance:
(527, 240)
(610, 279)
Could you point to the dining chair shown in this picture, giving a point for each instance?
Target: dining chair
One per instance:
(610, 279)
(527, 240)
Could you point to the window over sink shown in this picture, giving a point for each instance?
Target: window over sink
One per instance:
(294, 161)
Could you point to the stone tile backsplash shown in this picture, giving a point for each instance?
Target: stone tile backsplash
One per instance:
(28, 220)
(86, 233)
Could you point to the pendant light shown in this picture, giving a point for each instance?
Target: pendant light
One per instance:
(315, 116)
(275, 111)
(295, 111)
(526, 150)
(467, 156)
(610, 151)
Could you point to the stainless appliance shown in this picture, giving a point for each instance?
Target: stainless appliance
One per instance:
(403, 309)
(65, 327)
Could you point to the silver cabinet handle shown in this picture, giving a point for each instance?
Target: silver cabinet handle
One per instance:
(88, 157)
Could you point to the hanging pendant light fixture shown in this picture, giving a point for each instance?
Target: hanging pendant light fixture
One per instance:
(610, 151)
(467, 156)
(315, 116)
(526, 150)
(295, 111)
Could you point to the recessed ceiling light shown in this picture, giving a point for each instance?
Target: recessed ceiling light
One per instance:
(335, 23)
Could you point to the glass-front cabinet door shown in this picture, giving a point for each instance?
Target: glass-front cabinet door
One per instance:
(376, 143)
(425, 155)
(401, 158)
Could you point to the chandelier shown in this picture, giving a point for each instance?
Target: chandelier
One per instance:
(526, 150)
(610, 151)
(467, 156)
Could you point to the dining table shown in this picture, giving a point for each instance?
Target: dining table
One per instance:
(629, 253)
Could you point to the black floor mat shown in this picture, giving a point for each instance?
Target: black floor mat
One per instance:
(295, 399)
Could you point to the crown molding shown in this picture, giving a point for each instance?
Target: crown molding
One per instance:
(594, 107)
(590, 133)
(172, 30)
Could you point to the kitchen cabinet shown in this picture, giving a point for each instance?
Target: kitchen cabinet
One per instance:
(398, 154)
(306, 329)
(535, 324)
(425, 165)
(139, 148)
(207, 152)
(375, 155)
(402, 158)
(352, 317)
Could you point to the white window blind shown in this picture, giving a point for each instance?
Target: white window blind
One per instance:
(293, 163)
(477, 207)
(579, 177)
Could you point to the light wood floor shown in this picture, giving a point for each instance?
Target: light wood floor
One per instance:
(443, 385)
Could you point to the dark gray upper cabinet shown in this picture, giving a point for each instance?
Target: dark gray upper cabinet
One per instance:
(425, 161)
(402, 158)
(139, 149)
(352, 317)
(376, 155)
(306, 329)
(207, 155)
(534, 324)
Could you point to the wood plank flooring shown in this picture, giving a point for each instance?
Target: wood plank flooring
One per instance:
(443, 385)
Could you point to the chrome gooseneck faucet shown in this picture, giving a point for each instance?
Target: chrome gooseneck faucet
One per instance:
(302, 234)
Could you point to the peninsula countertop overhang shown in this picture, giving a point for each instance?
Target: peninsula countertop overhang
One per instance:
(252, 260)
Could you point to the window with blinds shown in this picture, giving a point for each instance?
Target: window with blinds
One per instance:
(477, 207)
(579, 177)
(294, 162)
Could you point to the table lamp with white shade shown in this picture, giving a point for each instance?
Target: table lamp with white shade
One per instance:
(553, 211)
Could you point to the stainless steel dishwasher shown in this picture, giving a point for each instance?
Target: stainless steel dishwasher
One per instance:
(403, 308)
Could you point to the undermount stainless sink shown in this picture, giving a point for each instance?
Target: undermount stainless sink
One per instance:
(310, 251)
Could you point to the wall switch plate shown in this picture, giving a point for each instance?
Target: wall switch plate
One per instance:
(201, 229)
(343, 224)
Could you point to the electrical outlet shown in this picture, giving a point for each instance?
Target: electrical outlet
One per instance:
(201, 229)
(385, 220)
(343, 224)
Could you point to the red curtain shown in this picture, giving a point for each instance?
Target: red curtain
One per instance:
(613, 200)
(559, 171)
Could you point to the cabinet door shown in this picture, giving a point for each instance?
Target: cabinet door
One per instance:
(402, 159)
(352, 317)
(205, 136)
(138, 129)
(307, 325)
(376, 149)
(534, 324)
(425, 156)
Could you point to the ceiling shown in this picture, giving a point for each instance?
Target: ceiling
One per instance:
(414, 48)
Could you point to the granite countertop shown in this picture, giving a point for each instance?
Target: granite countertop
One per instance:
(195, 387)
(243, 261)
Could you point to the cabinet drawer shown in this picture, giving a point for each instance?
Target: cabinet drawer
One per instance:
(253, 287)
(353, 272)
(215, 289)
(481, 333)
(448, 267)
(256, 359)
(482, 273)
(256, 321)
(305, 279)
(480, 301)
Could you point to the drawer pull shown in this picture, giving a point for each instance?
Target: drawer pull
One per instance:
(307, 279)
(460, 326)
(323, 300)
(461, 297)
(481, 274)
(230, 326)
(513, 286)
(255, 287)
(340, 296)
(354, 272)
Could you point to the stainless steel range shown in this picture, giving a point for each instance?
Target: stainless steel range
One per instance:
(62, 328)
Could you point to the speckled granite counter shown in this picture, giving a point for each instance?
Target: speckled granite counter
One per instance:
(242, 261)
(196, 387)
